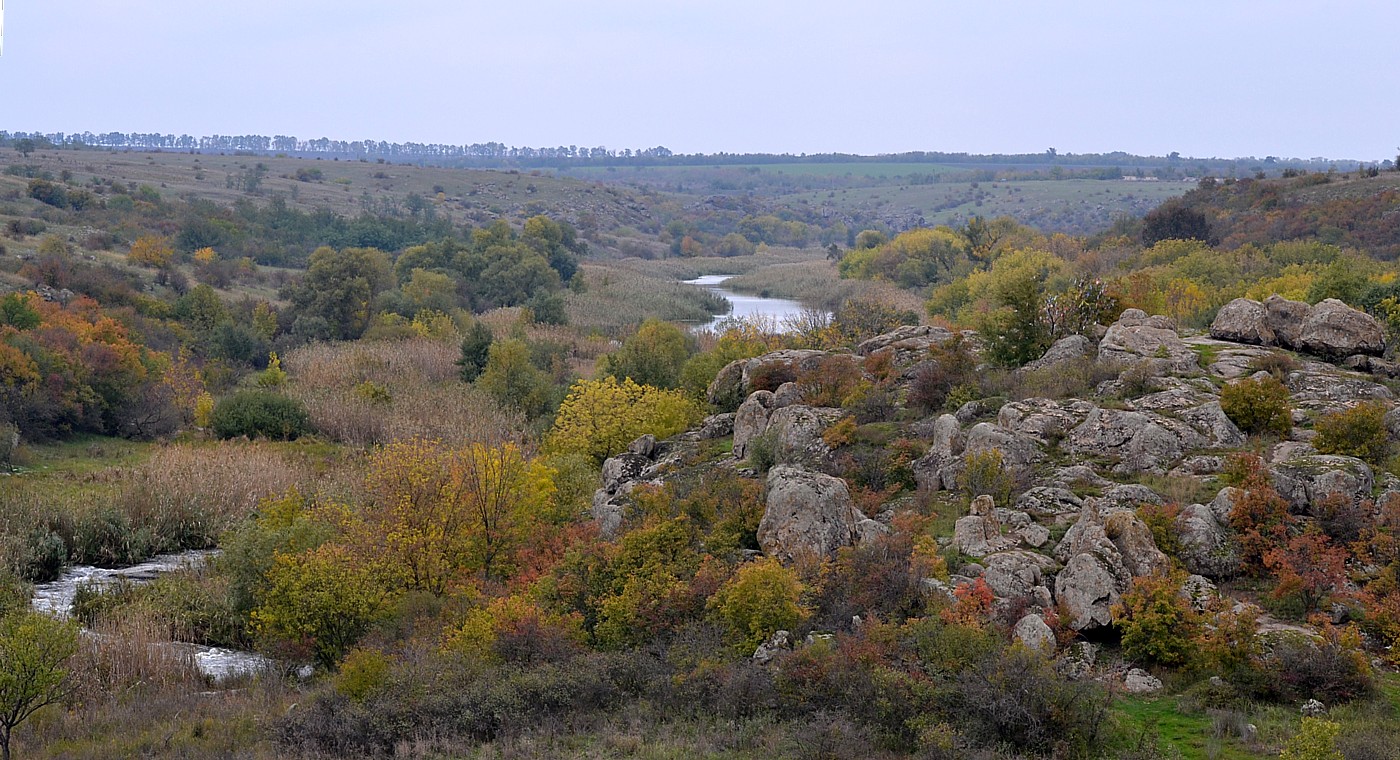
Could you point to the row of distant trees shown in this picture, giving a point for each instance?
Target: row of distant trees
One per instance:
(492, 153)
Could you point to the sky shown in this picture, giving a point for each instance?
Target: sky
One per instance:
(1217, 78)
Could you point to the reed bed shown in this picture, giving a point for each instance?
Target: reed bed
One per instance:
(372, 393)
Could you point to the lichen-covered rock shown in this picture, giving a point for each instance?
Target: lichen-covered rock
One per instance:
(1243, 320)
(1321, 388)
(797, 433)
(1046, 501)
(1134, 541)
(1205, 541)
(1139, 681)
(1335, 331)
(1136, 338)
(716, 426)
(1135, 440)
(1033, 633)
(906, 340)
(1019, 453)
(978, 536)
(1068, 349)
(751, 420)
(806, 514)
(1015, 574)
(1043, 419)
(1286, 320)
(1087, 588)
(946, 449)
(1306, 478)
(1199, 592)
(735, 382)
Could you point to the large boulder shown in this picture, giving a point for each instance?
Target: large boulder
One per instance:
(1335, 331)
(733, 384)
(945, 450)
(751, 420)
(1019, 453)
(1033, 633)
(1087, 589)
(1137, 338)
(1015, 574)
(1286, 320)
(1067, 349)
(907, 343)
(797, 433)
(1306, 478)
(807, 514)
(1134, 439)
(1243, 320)
(1206, 546)
(1133, 539)
(1043, 419)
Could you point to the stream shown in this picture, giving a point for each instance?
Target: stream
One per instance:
(743, 305)
(56, 598)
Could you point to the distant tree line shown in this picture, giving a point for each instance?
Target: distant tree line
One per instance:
(497, 153)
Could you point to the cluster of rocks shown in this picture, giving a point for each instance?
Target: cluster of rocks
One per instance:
(1330, 329)
(1160, 417)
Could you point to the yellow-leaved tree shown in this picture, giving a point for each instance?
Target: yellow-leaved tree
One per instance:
(150, 250)
(600, 417)
(438, 514)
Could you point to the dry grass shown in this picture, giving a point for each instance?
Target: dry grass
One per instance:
(199, 491)
(377, 392)
(618, 299)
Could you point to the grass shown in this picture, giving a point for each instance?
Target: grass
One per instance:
(617, 299)
(1192, 736)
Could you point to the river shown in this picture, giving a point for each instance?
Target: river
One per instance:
(745, 306)
(56, 598)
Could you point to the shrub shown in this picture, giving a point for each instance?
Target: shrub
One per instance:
(1260, 516)
(1258, 406)
(600, 417)
(1158, 624)
(761, 598)
(1356, 432)
(259, 414)
(831, 382)
(983, 473)
(1316, 740)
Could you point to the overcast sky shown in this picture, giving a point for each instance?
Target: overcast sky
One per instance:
(1289, 78)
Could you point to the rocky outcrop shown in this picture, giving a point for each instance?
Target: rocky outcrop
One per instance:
(1150, 442)
(806, 514)
(1306, 478)
(1335, 331)
(1137, 338)
(1206, 544)
(1033, 633)
(1139, 681)
(1285, 320)
(733, 384)
(1243, 320)
(1330, 329)
(797, 433)
(906, 345)
(619, 475)
(751, 420)
(1133, 539)
(1015, 574)
(1087, 589)
(1068, 349)
(945, 450)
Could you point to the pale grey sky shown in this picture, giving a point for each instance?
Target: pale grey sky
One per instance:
(1205, 78)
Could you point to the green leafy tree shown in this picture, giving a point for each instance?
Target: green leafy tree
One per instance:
(512, 378)
(34, 652)
(335, 297)
(654, 355)
(1015, 332)
(319, 602)
(1157, 622)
